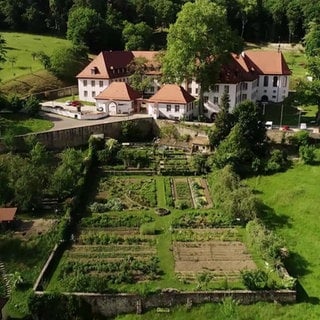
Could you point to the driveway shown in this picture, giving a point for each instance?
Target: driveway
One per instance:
(61, 122)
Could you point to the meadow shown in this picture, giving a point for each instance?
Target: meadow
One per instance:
(20, 53)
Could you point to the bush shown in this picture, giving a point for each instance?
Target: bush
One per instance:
(277, 162)
(301, 138)
(307, 154)
(255, 279)
(149, 229)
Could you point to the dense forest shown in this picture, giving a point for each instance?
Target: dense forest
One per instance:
(140, 24)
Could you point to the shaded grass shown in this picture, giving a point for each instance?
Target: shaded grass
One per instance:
(19, 123)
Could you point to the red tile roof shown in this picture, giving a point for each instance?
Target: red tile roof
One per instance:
(113, 64)
(267, 62)
(119, 91)
(7, 214)
(172, 93)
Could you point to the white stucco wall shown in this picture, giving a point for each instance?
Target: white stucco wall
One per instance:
(89, 88)
(161, 110)
(274, 93)
(114, 107)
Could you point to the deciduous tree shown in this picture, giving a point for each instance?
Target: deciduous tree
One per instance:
(197, 43)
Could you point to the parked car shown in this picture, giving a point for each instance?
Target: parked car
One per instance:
(74, 103)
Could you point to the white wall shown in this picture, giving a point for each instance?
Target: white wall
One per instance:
(160, 110)
(121, 107)
(274, 93)
(87, 91)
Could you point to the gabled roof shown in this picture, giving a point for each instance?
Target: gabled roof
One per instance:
(113, 64)
(172, 93)
(7, 214)
(267, 62)
(118, 91)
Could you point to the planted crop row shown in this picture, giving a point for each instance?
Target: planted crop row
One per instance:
(182, 189)
(200, 220)
(128, 270)
(116, 220)
(189, 235)
(103, 238)
(168, 191)
(111, 248)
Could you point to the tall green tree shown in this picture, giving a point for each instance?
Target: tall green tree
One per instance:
(197, 43)
(3, 50)
(223, 122)
(86, 27)
(67, 62)
(138, 79)
(137, 36)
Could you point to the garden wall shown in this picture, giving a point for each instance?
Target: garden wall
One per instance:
(109, 305)
(75, 137)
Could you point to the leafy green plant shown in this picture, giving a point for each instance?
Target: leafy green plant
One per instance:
(255, 279)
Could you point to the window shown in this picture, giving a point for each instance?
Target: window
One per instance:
(85, 93)
(284, 81)
(151, 89)
(197, 90)
(93, 94)
(226, 89)
(273, 97)
(274, 91)
(265, 81)
(100, 84)
(85, 82)
(275, 81)
(168, 107)
(216, 88)
(205, 99)
(176, 108)
(258, 80)
(244, 86)
(244, 96)
(189, 90)
(93, 83)
(215, 100)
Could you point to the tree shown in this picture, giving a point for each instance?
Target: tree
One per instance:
(138, 79)
(31, 106)
(312, 39)
(164, 12)
(223, 122)
(251, 125)
(197, 43)
(246, 7)
(3, 51)
(136, 36)
(199, 163)
(67, 62)
(87, 28)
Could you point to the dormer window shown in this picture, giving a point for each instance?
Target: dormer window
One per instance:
(94, 70)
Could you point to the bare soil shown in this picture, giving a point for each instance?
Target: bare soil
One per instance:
(222, 258)
(28, 228)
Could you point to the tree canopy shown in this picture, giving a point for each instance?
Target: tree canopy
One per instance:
(197, 43)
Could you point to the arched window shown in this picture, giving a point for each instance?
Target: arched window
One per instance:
(275, 81)
(265, 81)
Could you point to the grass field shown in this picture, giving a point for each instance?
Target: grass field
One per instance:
(20, 123)
(292, 200)
(20, 47)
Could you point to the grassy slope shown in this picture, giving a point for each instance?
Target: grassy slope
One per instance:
(21, 46)
(293, 200)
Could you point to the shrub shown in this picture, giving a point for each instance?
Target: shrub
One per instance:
(307, 154)
(277, 161)
(149, 229)
(301, 138)
(255, 279)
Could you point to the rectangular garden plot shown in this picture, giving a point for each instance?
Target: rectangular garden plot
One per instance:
(221, 258)
(130, 192)
(101, 259)
(182, 193)
(200, 193)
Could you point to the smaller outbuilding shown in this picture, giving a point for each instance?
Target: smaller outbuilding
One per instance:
(118, 98)
(171, 102)
(7, 216)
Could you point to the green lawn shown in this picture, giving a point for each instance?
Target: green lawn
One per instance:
(20, 47)
(161, 194)
(292, 200)
(290, 115)
(20, 123)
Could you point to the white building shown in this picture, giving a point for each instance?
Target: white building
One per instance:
(172, 102)
(117, 98)
(252, 75)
